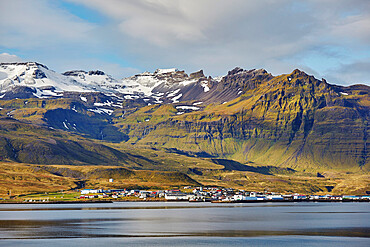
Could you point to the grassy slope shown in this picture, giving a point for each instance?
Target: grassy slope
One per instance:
(341, 183)
(25, 179)
(28, 178)
(27, 143)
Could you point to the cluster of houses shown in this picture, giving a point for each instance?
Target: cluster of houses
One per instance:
(212, 194)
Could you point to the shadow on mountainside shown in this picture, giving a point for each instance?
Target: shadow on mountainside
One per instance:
(231, 165)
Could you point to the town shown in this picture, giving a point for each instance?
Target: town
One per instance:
(210, 194)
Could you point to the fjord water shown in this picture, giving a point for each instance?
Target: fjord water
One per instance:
(185, 224)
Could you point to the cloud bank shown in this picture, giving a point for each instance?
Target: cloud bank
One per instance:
(326, 38)
(8, 58)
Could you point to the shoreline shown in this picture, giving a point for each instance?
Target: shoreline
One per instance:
(222, 202)
(274, 201)
(57, 202)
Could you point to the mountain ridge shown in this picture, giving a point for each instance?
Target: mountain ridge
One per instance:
(156, 84)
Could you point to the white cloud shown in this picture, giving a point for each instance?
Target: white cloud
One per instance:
(161, 22)
(354, 27)
(39, 24)
(8, 58)
(214, 35)
(116, 70)
(351, 73)
(218, 35)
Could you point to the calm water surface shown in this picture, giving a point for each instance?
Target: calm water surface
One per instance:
(185, 224)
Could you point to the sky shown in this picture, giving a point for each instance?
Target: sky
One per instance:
(326, 38)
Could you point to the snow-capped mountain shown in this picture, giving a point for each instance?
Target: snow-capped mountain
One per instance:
(31, 79)
(34, 80)
(167, 85)
(37, 77)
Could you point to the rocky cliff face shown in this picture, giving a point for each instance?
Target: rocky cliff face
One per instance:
(291, 120)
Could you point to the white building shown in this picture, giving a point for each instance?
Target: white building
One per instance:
(176, 197)
(89, 191)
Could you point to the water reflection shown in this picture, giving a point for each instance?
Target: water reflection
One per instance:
(163, 220)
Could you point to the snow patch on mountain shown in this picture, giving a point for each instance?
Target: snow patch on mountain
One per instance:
(172, 94)
(186, 107)
(165, 71)
(176, 98)
(131, 97)
(65, 125)
(218, 78)
(188, 82)
(107, 103)
(101, 111)
(205, 86)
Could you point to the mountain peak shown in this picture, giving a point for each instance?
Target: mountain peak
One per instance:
(165, 71)
(234, 71)
(74, 72)
(260, 71)
(238, 70)
(28, 64)
(298, 72)
(197, 74)
(78, 72)
(96, 72)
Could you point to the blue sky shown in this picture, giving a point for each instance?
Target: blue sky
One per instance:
(329, 39)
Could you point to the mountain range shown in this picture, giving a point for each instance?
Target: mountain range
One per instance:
(245, 121)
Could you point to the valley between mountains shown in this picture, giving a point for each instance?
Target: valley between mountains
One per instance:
(247, 129)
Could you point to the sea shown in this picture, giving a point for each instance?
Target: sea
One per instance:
(186, 224)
